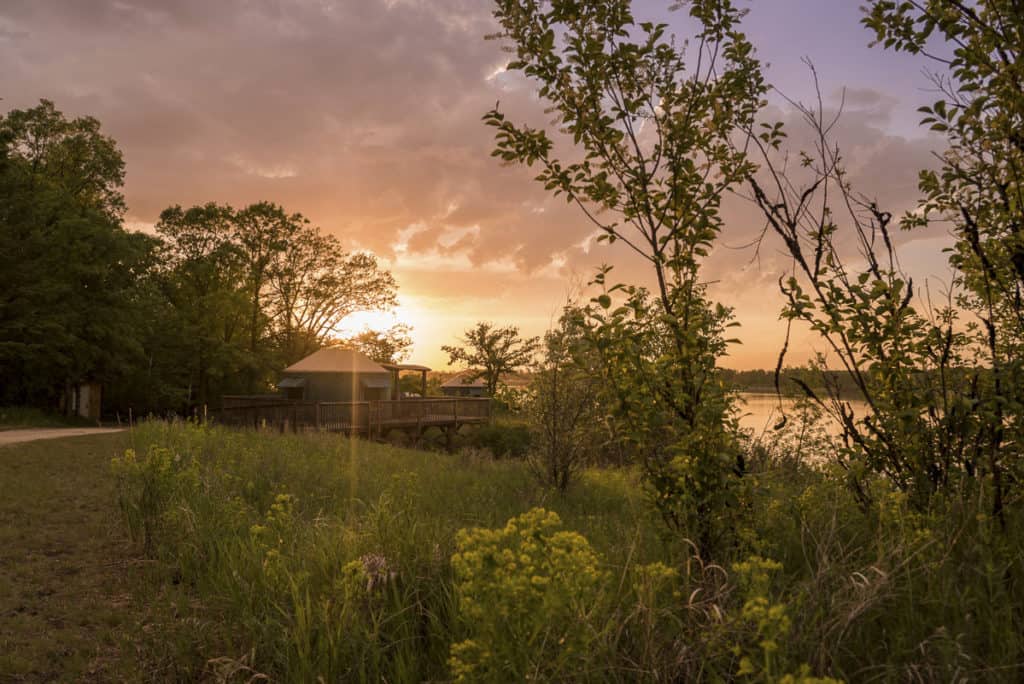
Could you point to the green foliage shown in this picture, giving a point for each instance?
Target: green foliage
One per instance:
(256, 289)
(942, 382)
(71, 275)
(675, 416)
(769, 625)
(653, 126)
(217, 303)
(494, 351)
(148, 487)
(502, 437)
(906, 365)
(71, 155)
(977, 191)
(525, 593)
(562, 408)
(326, 557)
(198, 294)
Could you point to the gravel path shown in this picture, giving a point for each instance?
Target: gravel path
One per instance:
(32, 434)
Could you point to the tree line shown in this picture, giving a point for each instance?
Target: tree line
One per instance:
(215, 301)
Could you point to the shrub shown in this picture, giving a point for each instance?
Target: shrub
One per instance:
(504, 439)
(763, 657)
(563, 410)
(526, 593)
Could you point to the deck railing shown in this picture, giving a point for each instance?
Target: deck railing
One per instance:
(367, 417)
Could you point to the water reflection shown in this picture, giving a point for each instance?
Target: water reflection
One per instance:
(760, 412)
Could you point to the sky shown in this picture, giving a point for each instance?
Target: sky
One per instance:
(365, 116)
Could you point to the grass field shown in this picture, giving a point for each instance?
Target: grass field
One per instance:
(182, 553)
(67, 611)
(258, 534)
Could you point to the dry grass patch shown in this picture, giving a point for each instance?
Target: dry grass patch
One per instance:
(66, 607)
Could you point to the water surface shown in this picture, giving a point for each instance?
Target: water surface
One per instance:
(760, 412)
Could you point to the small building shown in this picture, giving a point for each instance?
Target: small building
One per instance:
(465, 385)
(335, 374)
(83, 400)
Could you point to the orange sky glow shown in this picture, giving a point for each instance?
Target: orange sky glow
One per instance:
(365, 116)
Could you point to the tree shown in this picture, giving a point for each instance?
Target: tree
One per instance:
(903, 363)
(979, 192)
(383, 346)
(73, 155)
(652, 127)
(69, 303)
(314, 285)
(562, 407)
(254, 290)
(944, 390)
(200, 277)
(493, 352)
(261, 232)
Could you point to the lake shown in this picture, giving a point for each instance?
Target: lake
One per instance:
(759, 412)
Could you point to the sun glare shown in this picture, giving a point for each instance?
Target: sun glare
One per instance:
(406, 312)
(374, 320)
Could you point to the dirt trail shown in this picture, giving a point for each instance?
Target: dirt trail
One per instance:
(33, 434)
(66, 611)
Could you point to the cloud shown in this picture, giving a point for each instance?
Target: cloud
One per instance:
(365, 115)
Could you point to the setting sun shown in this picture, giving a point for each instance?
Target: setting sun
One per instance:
(374, 320)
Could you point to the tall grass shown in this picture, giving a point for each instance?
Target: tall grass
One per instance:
(301, 557)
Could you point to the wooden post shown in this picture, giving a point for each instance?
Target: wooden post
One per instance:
(317, 419)
(423, 386)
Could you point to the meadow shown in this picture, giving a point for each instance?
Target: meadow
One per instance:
(318, 557)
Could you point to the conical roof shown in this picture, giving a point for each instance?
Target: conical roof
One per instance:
(335, 360)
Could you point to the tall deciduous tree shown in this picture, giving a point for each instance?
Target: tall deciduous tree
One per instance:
(262, 232)
(254, 290)
(492, 352)
(68, 303)
(314, 285)
(200, 277)
(72, 154)
(652, 126)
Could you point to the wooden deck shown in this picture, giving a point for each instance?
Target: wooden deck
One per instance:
(370, 418)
